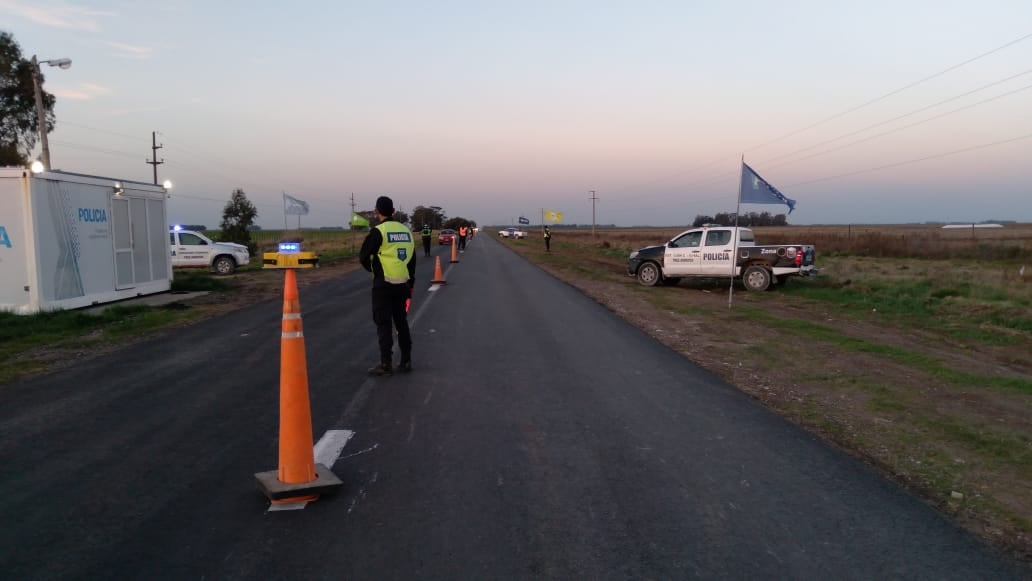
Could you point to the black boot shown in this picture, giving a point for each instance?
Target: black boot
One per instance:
(405, 366)
(381, 370)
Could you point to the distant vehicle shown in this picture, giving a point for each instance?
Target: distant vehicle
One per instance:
(447, 236)
(711, 252)
(515, 233)
(193, 249)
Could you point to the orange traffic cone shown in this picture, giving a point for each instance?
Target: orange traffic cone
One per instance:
(454, 252)
(299, 478)
(438, 277)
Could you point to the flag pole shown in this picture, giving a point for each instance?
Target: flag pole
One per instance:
(735, 236)
(286, 228)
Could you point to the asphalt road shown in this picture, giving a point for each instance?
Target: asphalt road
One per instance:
(540, 436)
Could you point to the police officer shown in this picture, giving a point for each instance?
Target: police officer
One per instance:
(463, 231)
(389, 253)
(426, 239)
(548, 239)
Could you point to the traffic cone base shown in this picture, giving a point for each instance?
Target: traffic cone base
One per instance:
(280, 492)
(438, 277)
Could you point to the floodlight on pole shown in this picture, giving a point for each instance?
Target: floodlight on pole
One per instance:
(41, 116)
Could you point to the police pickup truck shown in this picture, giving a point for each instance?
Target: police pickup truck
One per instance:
(514, 233)
(191, 248)
(708, 252)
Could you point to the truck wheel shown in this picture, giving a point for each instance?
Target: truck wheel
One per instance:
(224, 265)
(756, 278)
(648, 274)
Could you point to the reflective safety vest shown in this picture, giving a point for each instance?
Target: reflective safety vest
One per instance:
(396, 251)
(462, 231)
(426, 231)
(548, 233)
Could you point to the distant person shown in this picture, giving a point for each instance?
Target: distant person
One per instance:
(463, 232)
(548, 239)
(389, 253)
(426, 239)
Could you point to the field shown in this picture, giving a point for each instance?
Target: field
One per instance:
(910, 351)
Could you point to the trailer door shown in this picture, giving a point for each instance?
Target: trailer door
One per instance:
(124, 277)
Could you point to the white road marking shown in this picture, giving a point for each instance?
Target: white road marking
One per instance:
(328, 448)
(287, 506)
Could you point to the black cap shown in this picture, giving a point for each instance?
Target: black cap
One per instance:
(385, 206)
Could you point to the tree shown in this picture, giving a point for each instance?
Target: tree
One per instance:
(432, 215)
(237, 217)
(19, 125)
(457, 222)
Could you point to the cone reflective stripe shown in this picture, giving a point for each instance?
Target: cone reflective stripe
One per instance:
(454, 251)
(298, 477)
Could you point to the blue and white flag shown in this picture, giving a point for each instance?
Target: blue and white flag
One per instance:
(293, 206)
(756, 190)
(524, 220)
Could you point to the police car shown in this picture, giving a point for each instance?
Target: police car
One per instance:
(712, 251)
(193, 249)
(515, 233)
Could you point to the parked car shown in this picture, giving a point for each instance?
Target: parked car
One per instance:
(191, 248)
(447, 236)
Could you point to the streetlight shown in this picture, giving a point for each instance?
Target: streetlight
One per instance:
(60, 63)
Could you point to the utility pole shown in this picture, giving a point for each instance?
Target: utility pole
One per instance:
(154, 149)
(351, 220)
(593, 200)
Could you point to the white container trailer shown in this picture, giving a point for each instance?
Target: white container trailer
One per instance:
(69, 240)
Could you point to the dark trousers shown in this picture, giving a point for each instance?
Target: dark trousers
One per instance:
(548, 244)
(426, 246)
(462, 242)
(389, 305)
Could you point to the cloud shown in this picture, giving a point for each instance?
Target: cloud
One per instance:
(130, 51)
(57, 15)
(82, 92)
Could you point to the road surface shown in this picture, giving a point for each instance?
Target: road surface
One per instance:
(539, 436)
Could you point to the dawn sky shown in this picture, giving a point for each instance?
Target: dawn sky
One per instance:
(882, 111)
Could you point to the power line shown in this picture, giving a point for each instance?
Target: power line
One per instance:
(713, 178)
(909, 161)
(910, 113)
(95, 149)
(97, 129)
(893, 92)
